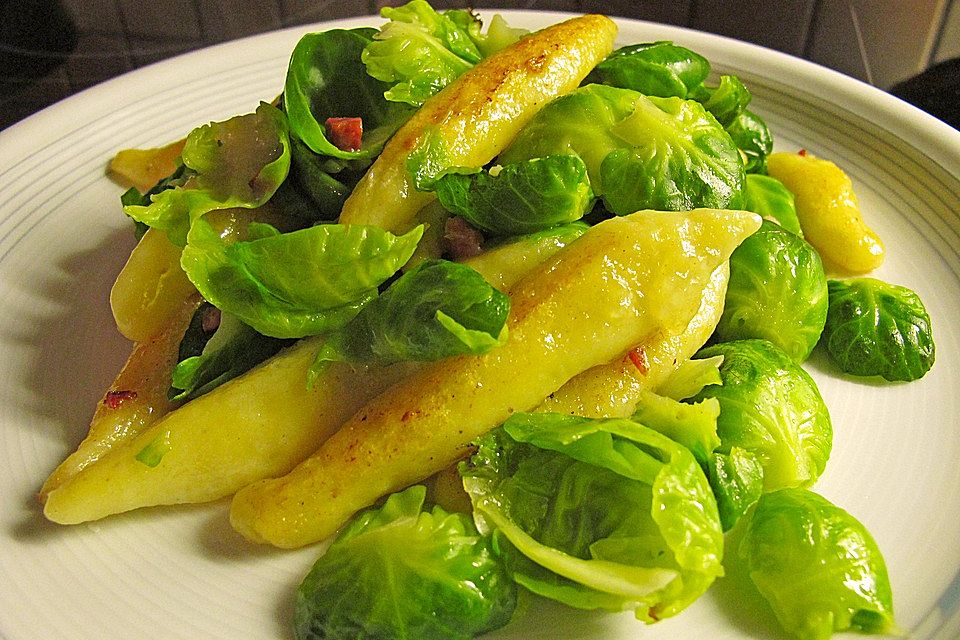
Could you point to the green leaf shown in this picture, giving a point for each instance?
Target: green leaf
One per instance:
(418, 52)
(777, 292)
(660, 69)
(817, 566)
(295, 284)
(727, 100)
(737, 482)
(446, 584)
(435, 310)
(640, 153)
(327, 79)
(597, 513)
(772, 408)
(750, 133)
(238, 163)
(771, 199)
(234, 349)
(520, 198)
(875, 328)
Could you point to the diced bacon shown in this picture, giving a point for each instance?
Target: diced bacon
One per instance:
(462, 240)
(346, 134)
(114, 399)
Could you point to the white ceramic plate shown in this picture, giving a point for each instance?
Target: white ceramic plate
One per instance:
(183, 573)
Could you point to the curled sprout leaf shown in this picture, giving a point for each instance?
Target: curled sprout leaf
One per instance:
(418, 52)
(435, 310)
(777, 292)
(817, 566)
(295, 284)
(597, 513)
(326, 79)
(238, 163)
(772, 408)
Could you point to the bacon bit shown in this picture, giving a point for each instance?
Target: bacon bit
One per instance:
(346, 134)
(462, 240)
(114, 399)
(802, 152)
(210, 319)
(639, 359)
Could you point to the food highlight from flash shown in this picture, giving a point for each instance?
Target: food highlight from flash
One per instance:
(500, 313)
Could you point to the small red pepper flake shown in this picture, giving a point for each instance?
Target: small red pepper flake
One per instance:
(639, 359)
(114, 399)
(802, 153)
(346, 134)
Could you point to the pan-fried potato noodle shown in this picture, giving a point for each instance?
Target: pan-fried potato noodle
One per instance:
(625, 280)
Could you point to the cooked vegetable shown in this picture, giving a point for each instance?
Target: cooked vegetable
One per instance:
(446, 584)
(736, 479)
(474, 118)
(828, 211)
(597, 513)
(326, 79)
(772, 408)
(726, 101)
(641, 153)
(418, 52)
(336, 271)
(661, 69)
(436, 310)
(878, 329)
(236, 163)
(234, 349)
(817, 566)
(768, 197)
(625, 281)
(520, 198)
(777, 292)
(750, 133)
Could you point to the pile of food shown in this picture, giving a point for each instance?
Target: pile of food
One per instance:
(503, 312)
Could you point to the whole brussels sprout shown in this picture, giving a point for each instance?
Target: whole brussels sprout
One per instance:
(817, 566)
(771, 407)
(777, 291)
(878, 329)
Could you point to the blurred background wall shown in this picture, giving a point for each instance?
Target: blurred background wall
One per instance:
(52, 48)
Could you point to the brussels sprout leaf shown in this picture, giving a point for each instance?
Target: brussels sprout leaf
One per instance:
(237, 163)
(295, 284)
(402, 572)
(772, 408)
(817, 566)
(326, 79)
(661, 69)
(777, 292)
(435, 310)
(597, 513)
(878, 329)
(767, 196)
(522, 198)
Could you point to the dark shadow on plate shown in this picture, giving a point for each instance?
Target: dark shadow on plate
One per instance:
(78, 350)
(74, 355)
(738, 598)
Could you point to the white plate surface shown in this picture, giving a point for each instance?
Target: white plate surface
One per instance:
(183, 573)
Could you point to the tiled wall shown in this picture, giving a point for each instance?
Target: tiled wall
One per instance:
(107, 37)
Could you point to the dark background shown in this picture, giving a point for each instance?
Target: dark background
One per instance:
(50, 49)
